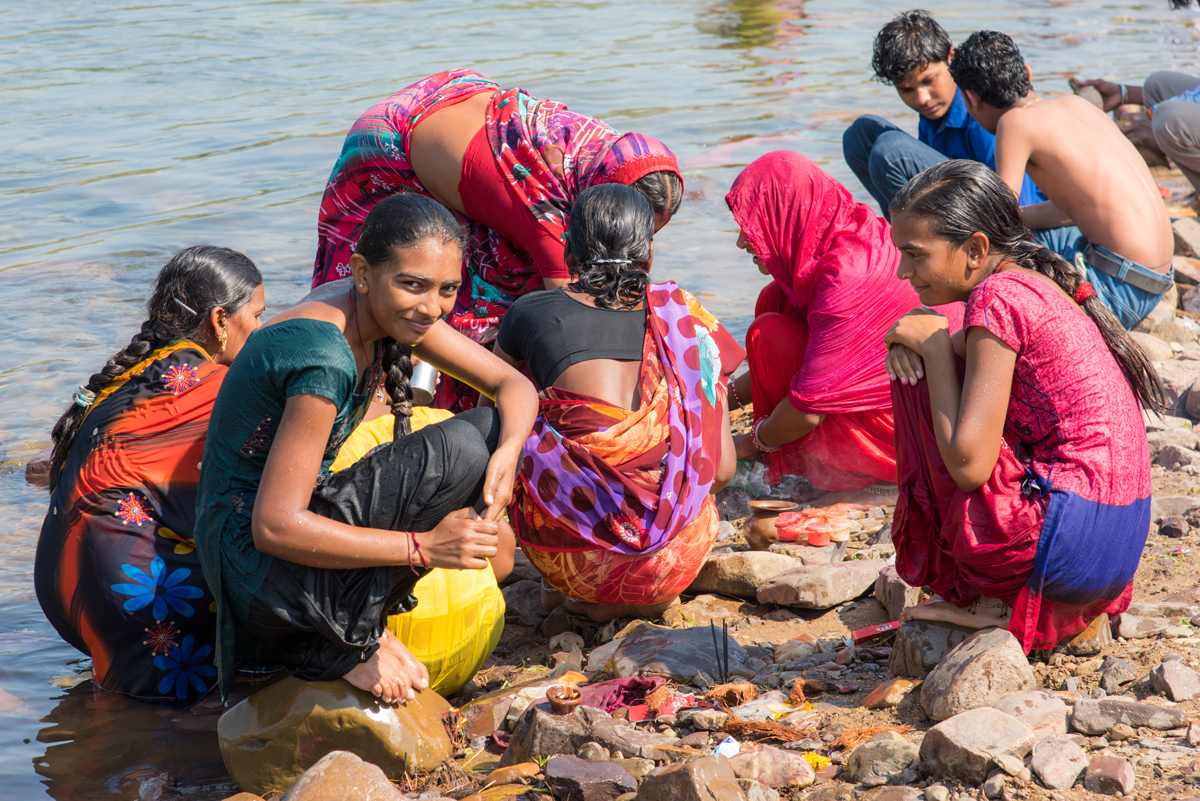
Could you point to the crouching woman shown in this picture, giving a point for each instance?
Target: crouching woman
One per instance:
(1023, 464)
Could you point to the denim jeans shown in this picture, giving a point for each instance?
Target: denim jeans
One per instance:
(884, 158)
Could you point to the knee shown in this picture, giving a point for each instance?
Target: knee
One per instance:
(467, 452)
(861, 135)
(486, 420)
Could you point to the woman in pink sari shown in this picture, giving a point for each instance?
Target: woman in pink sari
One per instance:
(822, 403)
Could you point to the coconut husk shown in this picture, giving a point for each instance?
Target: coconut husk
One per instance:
(764, 729)
(656, 699)
(732, 694)
(855, 737)
(803, 689)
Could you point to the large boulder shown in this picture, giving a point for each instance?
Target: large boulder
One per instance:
(821, 586)
(272, 737)
(740, 573)
(339, 775)
(921, 644)
(675, 653)
(981, 670)
(709, 778)
(773, 767)
(966, 746)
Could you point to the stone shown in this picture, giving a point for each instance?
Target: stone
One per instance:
(513, 774)
(1173, 527)
(893, 593)
(920, 645)
(272, 737)
(1179, 437)
(1058, 762)
(1116, 672)
(937, 792)
(245, 797)
(567, 641)
(1193, 733)
(793, 650)
(573, 779)
(888, 694)
(675, 653)
(523, 604)
(773, 767)
(733, 503)
(1191, 402)
(706, 779)
(37, 469)
(1098, 716)
(981, 670)
(593, 751)
(879, 757)
(1041, 710)
(1171, 505)
(1133, 627)
(1177, 376)
(739, 573)
(756, 791)
(1170, 609)
(704, 609)
(1157, 350)
(821, 586)
(1109, 775)
(1092, 640)
(1176, 680)
(1174, 457)
(636, 767)
(541, 733)
(1187, 236)
(890, 794)
(339, 775)
(965, 746)
(1121, 732)
(994, 786)
(704, 719)
(812, 554)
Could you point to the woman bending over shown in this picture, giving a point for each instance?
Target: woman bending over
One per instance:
(116, 570)
(613, 502)
(821, 403)
(509, 163)
(309, 562)
(1024, 469)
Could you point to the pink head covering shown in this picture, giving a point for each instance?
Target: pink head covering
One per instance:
(625, 160)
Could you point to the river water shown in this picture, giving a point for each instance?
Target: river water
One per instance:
(129, 131)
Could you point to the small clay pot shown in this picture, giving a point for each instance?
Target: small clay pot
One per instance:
(761, 534)
(563, 699)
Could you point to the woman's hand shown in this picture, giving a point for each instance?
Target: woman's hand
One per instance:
(904, 365)
(498, 480)
(462, 541)
(916, 328)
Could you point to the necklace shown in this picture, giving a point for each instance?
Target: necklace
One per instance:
(1030, 103)
(357, 330)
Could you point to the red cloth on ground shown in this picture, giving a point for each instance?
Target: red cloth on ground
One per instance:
(489, 198)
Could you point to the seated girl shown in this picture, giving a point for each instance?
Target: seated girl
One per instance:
(1024, 469)
(821, 402)
(307, 563)
(613, 501)
(116, 570)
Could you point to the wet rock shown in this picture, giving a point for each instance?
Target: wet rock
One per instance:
(513, 774)
(339, 775)
(1041, 710)
(269, 739)
(1092, 640)
(1109, 775)
(523, 604)
(706, 779)
(37, 469)
(965, 746)
(739, 573)
(1116, 672)
(920, 645)
(1156, 349)
(1132, 627)
(811, 554)
(879, 757)
(893, 593)
(1175, 680)
(1099, 716)
(773, 767)
(982, 669)
(888, 694)
(574, 779)
(703, 609)
(1058, 762)
(541, 733)
(821, 586)
(675, 653)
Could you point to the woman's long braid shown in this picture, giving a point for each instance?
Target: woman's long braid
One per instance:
(397, 375)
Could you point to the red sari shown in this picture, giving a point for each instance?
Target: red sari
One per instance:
(817, 335)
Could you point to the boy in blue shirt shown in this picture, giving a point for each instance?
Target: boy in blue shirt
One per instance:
(912, 53)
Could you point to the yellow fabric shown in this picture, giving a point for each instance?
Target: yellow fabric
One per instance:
(460, 613)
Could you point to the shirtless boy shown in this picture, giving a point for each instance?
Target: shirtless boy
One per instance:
(1090, 172)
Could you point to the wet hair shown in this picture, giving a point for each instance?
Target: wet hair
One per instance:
(663, 189)
(990, 65)
(960, 198)
(194, 282)
(1177, 4)
(608, 237)
(398, 221)
(911, 41)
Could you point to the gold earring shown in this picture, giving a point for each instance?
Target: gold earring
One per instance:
(221, 339)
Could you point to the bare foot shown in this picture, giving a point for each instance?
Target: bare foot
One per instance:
(602, 613)
(552, 598)
(984, 613)
(392, 673)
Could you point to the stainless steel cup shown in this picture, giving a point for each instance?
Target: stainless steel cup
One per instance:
(423, 383)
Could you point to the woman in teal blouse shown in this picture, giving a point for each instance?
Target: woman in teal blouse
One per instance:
(307, 563)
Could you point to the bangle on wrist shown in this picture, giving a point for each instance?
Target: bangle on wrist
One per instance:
(1124, 94)
(758, 442)
(736, 398)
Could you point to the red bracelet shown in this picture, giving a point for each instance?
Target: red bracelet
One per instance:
(758, 442)
(417, 545)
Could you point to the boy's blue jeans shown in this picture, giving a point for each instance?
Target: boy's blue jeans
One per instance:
(884, 158)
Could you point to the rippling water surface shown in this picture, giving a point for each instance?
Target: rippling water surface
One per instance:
(129, 131)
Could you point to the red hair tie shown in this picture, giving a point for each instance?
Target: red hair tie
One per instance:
(1084, 292)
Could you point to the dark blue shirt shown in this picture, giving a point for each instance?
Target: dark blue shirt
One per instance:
(958, 136)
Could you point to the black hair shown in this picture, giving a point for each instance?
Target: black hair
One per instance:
(1177, 4)
(194, 282)
(960, 198)
(990, 65)
(911, 41)
(663, 189)
(608, 237)
(399, 221)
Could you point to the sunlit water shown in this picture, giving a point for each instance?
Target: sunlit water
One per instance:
(130, 131)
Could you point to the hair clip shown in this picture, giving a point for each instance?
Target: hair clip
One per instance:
(184, 306)
(609, 261)
(84, 397)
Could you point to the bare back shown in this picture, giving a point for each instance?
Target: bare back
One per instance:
(1084, 164)
(438, 144)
